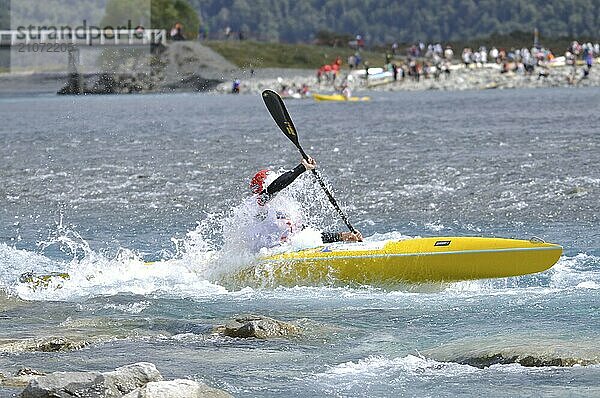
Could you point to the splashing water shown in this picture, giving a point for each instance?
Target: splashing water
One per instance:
(219, 245)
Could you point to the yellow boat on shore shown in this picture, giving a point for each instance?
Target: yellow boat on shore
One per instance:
(338, 97)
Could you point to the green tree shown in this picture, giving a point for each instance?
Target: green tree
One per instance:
(119, 13)
(384, 20)
(166, 13)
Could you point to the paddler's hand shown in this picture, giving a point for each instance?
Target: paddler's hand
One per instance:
(309, 164)
(351, 236)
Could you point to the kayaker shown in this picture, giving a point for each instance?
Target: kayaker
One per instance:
(276, 228)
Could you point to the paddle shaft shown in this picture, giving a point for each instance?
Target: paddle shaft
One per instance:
(328, 193)
(278, 111)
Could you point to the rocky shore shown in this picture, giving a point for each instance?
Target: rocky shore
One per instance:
(144, 380)
(192, 67)
(460, 78)
(138, 380)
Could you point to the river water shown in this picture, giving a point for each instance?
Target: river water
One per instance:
(96, 185)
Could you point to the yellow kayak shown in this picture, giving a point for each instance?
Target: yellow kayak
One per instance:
(338, 97)
(436, 259)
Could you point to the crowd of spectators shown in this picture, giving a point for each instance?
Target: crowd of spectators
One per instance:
(435, 60)
(516, 59)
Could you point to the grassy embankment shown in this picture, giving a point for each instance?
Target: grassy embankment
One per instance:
(246, 54)
(252, 54)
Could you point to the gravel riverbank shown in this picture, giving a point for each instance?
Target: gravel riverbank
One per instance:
(460, 78)
(253, 82)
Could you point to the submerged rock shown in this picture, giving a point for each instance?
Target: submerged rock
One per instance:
(55, 344)
(512, 349)
(29, 372)
(257, 326)
(46, 344)
(21, 378)
(523, 360)
(178, 388)
(54, 279)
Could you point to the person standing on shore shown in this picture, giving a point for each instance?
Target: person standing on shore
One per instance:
(467, 57)
(448, 53)
(235, 89)
(494, 54)
(177, 32)
(351, 61)
(588, 57)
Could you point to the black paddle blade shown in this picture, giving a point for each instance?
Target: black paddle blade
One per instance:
(281, 116)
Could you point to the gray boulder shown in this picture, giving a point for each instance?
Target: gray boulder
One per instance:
(92, 384)
(45, 344)
(65, 384)
(257, 326)
(129, 377)
(178, 388)
(484, 361)
(56, 344)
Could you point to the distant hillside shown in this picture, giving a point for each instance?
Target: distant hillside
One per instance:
(385, 21)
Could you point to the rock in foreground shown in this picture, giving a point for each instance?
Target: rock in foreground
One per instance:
(93, 384)
(139, 380)
(178, 388)
(67, 384)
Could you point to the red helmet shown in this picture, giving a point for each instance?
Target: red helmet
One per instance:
(257, 182)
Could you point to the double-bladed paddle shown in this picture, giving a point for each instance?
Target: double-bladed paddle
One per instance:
(281, 116)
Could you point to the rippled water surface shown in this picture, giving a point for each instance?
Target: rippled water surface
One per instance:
(95, 186)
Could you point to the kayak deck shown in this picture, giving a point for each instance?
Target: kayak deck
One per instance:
(437, 259)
